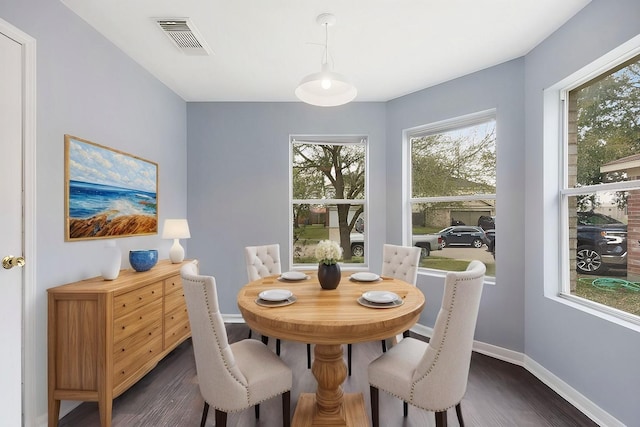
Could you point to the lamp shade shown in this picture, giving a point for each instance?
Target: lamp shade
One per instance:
(176, 229)
(326, 89)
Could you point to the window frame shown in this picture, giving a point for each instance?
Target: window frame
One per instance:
(330, 139)
(408, 200)
(556, 133)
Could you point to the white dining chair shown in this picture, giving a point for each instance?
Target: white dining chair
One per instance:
(434, 376)
(263, 261)
(398, 262)
(231, 377)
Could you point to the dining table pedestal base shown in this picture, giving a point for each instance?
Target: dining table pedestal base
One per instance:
(329, 406)
(353, 413)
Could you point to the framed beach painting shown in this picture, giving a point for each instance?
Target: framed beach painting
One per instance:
(108, 193)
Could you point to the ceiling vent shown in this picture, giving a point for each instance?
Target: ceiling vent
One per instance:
(184, 36)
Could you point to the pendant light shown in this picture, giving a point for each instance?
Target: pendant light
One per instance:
(326, 88)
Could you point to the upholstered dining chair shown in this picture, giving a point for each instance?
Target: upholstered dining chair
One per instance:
(232, 377)
(399, 262)
(264, 261)
(434, 376)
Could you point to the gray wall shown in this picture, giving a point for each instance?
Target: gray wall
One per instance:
(595, 356)
(238, 156)
(88, 88)
(500, 320)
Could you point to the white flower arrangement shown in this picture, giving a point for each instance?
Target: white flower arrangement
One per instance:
(328, 252)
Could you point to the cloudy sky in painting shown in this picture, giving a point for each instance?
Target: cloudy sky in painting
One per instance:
(95, 164)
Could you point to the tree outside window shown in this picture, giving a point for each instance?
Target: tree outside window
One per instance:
(328, 195)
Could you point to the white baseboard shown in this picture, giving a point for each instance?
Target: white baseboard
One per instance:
(232, 318)
(571, 395)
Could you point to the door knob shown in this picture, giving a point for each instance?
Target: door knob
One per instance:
(11, 261)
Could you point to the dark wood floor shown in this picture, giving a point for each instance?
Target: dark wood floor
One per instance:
(498, 394)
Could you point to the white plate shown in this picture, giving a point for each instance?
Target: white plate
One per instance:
(380, 297)
(365, 277)
(370, 304)
(293, 275)
(275, 295)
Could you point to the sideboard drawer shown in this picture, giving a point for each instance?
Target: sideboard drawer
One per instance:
(138, 320)
(125, 367)
(131, 301)
(173, 284)
(176, 326)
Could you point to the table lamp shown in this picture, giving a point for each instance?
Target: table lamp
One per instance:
(176, 229)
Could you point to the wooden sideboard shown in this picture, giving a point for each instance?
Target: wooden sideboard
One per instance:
(104, 336)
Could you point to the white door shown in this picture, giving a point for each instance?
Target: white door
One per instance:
(11, 226)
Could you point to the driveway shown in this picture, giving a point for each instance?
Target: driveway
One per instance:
(466, 253)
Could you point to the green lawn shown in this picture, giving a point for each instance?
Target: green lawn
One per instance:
(611, 291)
(311, 233)
(449, 264)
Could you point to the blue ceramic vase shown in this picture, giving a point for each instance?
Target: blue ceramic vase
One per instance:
(143, 260)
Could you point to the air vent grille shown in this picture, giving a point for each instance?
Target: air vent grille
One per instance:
(184, 36)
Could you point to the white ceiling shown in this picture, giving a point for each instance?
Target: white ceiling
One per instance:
(261, 49)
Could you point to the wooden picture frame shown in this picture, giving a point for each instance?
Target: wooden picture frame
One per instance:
(108, 193)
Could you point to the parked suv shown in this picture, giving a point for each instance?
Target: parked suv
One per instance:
(462, 235)
(602, 243)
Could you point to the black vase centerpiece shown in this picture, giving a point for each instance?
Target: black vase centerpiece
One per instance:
(329, 275)
(328, 253)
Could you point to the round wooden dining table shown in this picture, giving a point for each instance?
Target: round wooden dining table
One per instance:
(328, 319)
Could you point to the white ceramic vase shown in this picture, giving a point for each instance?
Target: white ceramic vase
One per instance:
(111, 261)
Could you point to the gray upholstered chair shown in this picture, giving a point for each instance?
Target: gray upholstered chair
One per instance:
(399, 262)
(264, 261)
(232, 377)
(434, 376)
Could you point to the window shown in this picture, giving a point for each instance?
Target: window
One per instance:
(451, 191)
(600, 195)
(328, 188)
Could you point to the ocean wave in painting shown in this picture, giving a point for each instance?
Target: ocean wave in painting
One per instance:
(97, 210)
(88, 199)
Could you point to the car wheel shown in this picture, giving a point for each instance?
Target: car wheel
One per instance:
(588, 261)
(443, 244)
(424, 251)
(477, 243)
(357, 250)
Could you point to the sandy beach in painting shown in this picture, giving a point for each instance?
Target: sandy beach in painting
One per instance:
(102, 225)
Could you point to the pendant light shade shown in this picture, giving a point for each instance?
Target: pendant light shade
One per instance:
(326, 88)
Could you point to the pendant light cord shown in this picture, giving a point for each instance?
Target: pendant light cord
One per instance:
(326, 44)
